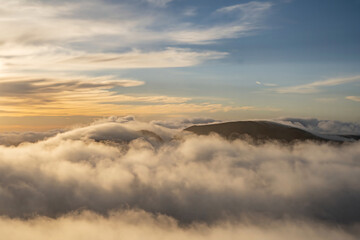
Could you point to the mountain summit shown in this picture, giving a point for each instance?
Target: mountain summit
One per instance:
(257, 130)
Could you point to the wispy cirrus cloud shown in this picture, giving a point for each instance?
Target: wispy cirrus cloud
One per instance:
(29, 38)
(316, 86)
(30, 41)
(30, 86)
(171, 57)
(60, 59)
(159, 3)
(246, 19)
(249, 10)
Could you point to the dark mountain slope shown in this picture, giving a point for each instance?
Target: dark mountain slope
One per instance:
(257, 130)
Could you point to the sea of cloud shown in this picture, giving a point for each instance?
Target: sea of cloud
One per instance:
(120, 178)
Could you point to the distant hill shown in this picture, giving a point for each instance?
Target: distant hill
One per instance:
(257, 130)
(352, 137)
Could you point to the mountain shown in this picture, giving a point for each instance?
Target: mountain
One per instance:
(351, 137)
(257, 130)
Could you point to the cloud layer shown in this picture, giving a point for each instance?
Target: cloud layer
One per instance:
(141, 225)
(115, 34)
(144, 177)
(65, 96)
(323, 126)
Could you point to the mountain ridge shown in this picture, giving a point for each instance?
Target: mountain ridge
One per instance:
(258, 131)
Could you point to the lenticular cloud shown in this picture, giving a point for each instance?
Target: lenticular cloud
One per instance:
(120, 178)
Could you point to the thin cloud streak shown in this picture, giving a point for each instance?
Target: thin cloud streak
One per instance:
(64, 60)
(95, 96)
(171, 57)
(159, 3)
(266, 84)
(353, 98)
(247, 18)
(315, 87)
(248, 9)
(25, 86)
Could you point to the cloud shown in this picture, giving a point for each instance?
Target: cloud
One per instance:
(190, 12)
(136, 224)
(91, 96)
(116, 129)
(171, 57)
(266, 84)
(353, 98)
(64, 60)
(315, 86)
(34, 95)
(91, 36)
(95, 32)
(323, 126)
(247, 18)
(183, 123)
(122, 164)
(25, 86)
(93, 99)
(249, 10)
(16, 138)
(159, 3)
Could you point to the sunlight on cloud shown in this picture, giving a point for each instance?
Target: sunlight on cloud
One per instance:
(30, 40)
(122, 176)
(171, 57)
(64, 60)
(136, 224)
(36, 96)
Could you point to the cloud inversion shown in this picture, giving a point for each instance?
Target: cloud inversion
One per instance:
(125, 165)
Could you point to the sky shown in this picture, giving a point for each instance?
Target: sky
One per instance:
(70, 62)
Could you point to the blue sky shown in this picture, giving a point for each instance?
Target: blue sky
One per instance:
(162, 58)
(298, 42)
